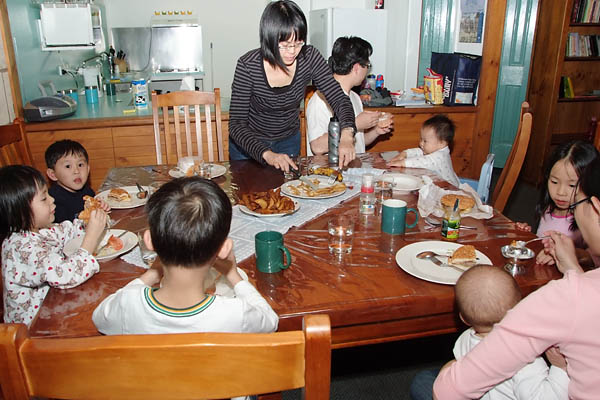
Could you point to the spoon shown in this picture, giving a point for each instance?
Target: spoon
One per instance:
(141, 194)
(431, 256)
(521, 243)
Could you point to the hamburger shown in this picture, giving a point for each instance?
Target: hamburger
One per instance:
(120, 195)
(465, 203)
(90, 204)
(464, 256)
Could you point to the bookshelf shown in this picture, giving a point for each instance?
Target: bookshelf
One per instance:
(556, 118)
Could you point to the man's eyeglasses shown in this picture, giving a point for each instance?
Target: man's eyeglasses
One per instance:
(571, 207)
(367, 65)
(291, 47)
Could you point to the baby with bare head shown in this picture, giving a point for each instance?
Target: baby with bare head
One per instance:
(484, 295)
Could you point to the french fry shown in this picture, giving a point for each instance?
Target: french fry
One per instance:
(270, 202)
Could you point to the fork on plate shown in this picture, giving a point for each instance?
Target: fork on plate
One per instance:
(333, 177)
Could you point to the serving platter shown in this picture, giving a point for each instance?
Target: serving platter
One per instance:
(247, 211)
(296, 188)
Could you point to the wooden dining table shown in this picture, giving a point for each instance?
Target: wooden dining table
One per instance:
(367, 296)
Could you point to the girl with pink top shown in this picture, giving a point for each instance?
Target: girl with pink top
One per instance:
(552, 211)
(562, 314)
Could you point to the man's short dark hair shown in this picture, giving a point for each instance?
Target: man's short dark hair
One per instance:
(442, 126)
(347, 51)
(280, 20)
(189, 221)
(63, 148)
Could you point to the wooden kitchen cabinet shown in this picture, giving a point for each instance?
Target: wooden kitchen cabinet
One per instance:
(556, 120)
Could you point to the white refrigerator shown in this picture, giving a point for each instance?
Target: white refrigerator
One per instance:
(326, 25)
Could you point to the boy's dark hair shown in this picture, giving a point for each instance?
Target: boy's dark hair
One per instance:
(443, 128)
(18, 186)
(579, 154)
(280, 20)
(189, 221)
(347, 51)
(62, 148)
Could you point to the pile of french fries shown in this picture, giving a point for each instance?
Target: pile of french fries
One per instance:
(303, 189)
(269, 202)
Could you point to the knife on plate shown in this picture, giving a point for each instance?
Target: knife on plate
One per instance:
(106, 244)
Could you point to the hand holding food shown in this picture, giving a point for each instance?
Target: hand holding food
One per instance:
(269, 202)
(90, 204)
(94, 230)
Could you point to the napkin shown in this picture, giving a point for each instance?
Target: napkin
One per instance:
(430, 195)
(134, 257)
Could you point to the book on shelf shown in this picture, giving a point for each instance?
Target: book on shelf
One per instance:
(568, 85)
(585, 11)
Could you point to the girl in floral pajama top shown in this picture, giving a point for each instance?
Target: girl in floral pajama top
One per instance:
(32, 246)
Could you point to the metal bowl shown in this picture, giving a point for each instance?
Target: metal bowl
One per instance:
(517, 253)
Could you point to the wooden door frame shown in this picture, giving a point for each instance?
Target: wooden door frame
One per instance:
(11, 63)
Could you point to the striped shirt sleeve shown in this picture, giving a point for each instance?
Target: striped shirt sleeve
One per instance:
(259, 113)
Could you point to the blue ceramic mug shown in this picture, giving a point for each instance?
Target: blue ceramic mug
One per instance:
(393, 217)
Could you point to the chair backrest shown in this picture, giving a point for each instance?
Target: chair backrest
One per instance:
(173, 366)
(513, 165)
(171, 118)
(485, 178)
(308, 93)
(14, 148)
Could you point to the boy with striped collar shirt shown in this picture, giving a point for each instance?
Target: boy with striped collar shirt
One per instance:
(189, 222)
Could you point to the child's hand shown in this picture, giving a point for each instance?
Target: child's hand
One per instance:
(94, 230)
(396, 163)
(523, 226)
(228, 267)
(544, 257)
(556, 358)
(151, 277)
(367, 119)
(561, 247)
(104, 205)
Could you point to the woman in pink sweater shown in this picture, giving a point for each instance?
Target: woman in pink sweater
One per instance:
(564, 313)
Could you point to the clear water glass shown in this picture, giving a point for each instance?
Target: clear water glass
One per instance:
(341, 234)
(148, 256)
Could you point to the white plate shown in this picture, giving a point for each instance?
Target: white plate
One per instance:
(216, 171)
(403, 181)
(246, 210)
(222, 285)
(323, 182)
(426, 269)
(129, 239)
(132, 190)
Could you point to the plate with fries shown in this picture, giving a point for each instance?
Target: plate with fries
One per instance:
(267, 204)
(320, 188)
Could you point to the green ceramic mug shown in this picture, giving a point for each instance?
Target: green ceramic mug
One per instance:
(393, 217)
(269, 252)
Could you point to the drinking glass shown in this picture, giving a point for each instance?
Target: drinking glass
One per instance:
(204, 170)
(383, 191)
(148, 256)
(341, 234)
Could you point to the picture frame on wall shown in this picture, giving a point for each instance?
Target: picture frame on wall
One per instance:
(470, 26)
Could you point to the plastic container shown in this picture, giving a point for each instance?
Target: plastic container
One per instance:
(140, 93)
(91, 94)
(367, 195)
(333, 140)
(72, 93)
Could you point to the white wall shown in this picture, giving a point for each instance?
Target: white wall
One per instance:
(232, 27)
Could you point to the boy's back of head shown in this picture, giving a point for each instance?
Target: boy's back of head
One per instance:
(484, 294)
(443, 128)
(189, 221)
(62, 148)
(347, 51)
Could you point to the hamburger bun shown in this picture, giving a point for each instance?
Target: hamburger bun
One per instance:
(118, 194)
(465, 203)
(464, 256)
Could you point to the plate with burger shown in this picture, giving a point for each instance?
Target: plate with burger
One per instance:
(461, 256)
(114, 243)
(123, 197)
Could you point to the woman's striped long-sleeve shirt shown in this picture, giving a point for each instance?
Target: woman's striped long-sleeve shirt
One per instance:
(260, 112)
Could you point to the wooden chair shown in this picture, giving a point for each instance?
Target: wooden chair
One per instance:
(174, 366)
(169, 104)
(594, 135)
(308, 93)
(14, 148)
(513, 165)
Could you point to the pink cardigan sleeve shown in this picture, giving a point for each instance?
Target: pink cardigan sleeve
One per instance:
(541, 320)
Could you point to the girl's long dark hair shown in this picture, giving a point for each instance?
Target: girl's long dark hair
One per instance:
(579, 154)
(18, 186)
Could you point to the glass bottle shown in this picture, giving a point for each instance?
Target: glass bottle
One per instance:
(333, 140)
(451, 222)
(367, 195)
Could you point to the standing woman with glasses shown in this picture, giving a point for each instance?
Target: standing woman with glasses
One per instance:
(268, 86)
(564, 314)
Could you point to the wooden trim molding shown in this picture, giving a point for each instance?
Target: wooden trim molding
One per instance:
(9, 55)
